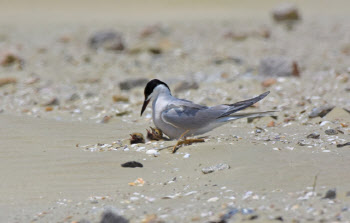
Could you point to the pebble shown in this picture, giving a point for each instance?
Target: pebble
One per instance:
(330, 194)
(108, 40)
(217, 167)
(132, 83)
(187, 155)
(313, 135)
(152, 152)
(320, 111)
(111, 217)
(285, 12)
(331, 132)
(185, 86)
(277, 66)
(344, 144)
(7, 80)
(132, 164)
(8, 59)
(213, 199)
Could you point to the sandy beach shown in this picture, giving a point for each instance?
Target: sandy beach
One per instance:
(68, 107)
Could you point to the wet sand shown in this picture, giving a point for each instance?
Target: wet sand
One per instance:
(59, 163)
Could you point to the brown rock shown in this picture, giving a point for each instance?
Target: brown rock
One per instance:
(7, 80)
(268, 82)
(285, 12)
(120, 98)
(10, 58)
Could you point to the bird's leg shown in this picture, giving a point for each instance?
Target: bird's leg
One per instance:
(185, 141)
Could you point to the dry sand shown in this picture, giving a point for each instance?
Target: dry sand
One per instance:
(59, 163)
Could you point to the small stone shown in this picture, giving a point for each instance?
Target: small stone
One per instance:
(279, 218)
(51, 102)
(303, 143)
(213, 199)
(120, 98)
(235, 60)
(108, 40)
(269, 82)
(8, 59)
(152, 30)
(132, 164)
(217, 167)
(271, 124)
(237, 35)
(276, 66)
(111, 217)
(49, 108)
(7, 80)
(73, 97)
(330, 194)
(106, 119)
(285, 12)
(119, 114)
(185, 85)
(132, 83)
(152, 152)
(344, 144)
(331, 132)
(320, 111)
(313, 135)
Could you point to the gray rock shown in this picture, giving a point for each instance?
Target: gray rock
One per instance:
(320, 111)
(275, 66)
(331, 132)
(330, 194)
(185, 85)
(217, 167)
(132, 83)
(285, 12)
(108, 40)
(111, 217)
(313, 135)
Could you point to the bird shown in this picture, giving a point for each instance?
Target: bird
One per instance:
(178, 118)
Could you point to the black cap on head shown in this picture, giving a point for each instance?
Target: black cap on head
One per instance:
(151, 85)
(149, 89)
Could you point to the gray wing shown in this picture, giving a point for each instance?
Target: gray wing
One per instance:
(187, 115)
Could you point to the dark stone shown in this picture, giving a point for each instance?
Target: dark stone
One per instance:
(285, 12)
(344, 144)
(313, 135)
(279, 218)
(330, 194)
(132, 164)
(110, 217)
(331, 132)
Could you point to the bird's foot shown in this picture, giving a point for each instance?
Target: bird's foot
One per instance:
(185, 142)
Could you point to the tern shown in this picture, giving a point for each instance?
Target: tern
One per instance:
(179, 118)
